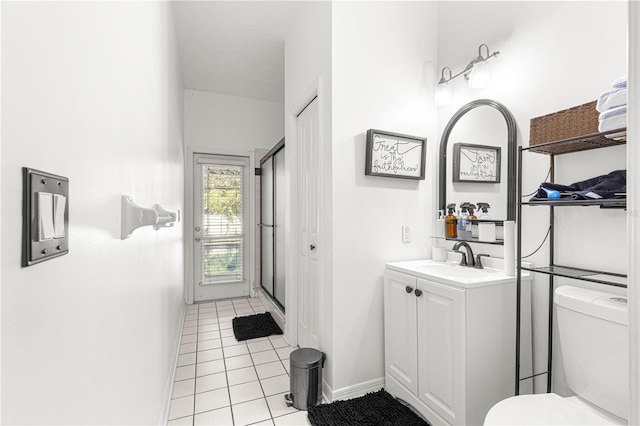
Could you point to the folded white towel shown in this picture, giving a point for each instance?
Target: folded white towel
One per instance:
(612, 112)
(620, 82)
(611, 99)
(615, 118)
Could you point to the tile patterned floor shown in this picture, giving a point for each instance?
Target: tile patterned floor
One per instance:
(221, 381)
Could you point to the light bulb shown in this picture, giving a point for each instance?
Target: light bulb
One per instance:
(443, 94)
(479, 75)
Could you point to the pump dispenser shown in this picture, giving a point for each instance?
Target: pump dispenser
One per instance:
(440, 226)
(450, 222)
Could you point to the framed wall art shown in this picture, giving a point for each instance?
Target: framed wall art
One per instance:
(395, 155)
(476, 163)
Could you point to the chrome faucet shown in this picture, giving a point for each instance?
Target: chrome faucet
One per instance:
(467, 259)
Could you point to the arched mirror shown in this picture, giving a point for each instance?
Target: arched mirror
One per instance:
(478, 159)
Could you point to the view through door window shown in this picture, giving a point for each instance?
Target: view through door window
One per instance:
(222, 230)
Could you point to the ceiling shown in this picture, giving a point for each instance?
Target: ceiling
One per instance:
(234, 47)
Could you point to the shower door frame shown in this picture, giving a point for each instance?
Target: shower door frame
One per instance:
(270, 156)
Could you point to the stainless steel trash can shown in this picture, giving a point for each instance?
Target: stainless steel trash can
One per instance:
(305, 378)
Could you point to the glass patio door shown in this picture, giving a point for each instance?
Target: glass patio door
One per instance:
(221, 220)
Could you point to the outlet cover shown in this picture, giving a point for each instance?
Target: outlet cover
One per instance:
(406, 234)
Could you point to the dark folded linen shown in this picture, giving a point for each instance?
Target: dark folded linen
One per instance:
(600, 187)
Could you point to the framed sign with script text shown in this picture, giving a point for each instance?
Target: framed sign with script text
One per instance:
(395, 155)
(476, 163)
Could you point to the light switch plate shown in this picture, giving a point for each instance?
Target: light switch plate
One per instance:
(41, 187)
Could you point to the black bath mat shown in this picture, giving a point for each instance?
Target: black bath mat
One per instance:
(254, 326)
(373, 409)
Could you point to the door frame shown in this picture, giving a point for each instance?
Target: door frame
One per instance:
(189, 275)
(633, 207)
(314, 91)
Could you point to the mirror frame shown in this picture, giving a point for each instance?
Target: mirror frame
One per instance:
(512, 146)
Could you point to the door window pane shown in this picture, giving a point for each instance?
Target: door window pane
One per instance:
(222, 227)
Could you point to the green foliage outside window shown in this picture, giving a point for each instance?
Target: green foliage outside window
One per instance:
(222, 204)
(223, 192)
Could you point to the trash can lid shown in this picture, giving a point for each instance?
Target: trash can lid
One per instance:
(306, 358)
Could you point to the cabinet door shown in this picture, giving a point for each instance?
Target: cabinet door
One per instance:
(400, 335)
(441, 348)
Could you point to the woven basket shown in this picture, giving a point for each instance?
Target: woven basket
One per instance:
(569, 123)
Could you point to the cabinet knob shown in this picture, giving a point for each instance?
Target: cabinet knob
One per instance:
(312, 247)
(418, 292)
(408, 289)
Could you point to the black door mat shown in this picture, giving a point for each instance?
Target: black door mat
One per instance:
(373, 409)
(254, 326)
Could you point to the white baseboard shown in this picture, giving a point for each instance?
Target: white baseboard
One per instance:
(164, 418)
(354, 391)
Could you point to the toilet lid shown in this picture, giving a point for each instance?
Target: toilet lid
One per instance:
(544, 409)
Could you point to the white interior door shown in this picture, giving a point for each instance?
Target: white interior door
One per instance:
(221, 223)
(308, 227)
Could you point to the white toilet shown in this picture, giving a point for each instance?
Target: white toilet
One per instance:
(594, 344)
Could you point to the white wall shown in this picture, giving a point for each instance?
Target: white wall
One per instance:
(231, 123)
(383, 65)
(91, 91)
(554, 55)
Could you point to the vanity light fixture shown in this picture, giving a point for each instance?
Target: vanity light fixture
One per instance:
(443, 91)
(476, 73)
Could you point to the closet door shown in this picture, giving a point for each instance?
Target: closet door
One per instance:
(308, 224)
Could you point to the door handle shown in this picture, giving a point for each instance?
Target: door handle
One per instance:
(312, 247)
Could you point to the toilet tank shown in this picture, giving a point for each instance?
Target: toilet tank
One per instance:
(594, 344)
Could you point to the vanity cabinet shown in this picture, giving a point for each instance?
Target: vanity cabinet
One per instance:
(449, 350)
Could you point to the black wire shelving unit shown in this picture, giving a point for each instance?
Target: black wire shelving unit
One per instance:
(565, 146)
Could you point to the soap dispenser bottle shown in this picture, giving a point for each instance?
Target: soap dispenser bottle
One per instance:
(450, 222)
(440, 225)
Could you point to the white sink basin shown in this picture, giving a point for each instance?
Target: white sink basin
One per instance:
(452, 273)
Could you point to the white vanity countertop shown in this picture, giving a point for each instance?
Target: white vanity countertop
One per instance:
(451, 273)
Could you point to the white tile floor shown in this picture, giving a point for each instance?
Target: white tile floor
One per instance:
(221, 381)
